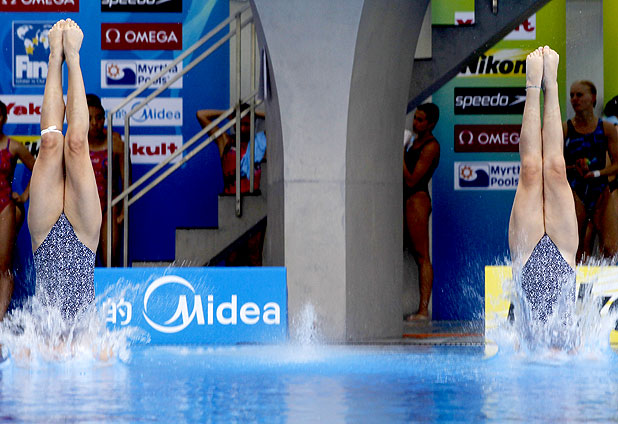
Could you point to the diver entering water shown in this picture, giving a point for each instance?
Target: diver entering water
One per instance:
(543, 236)
(65, 215)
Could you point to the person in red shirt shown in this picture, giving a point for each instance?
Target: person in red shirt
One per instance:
(250, 253)
(11, 207)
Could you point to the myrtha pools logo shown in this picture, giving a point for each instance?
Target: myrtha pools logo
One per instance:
(486, 175)
(30, 53)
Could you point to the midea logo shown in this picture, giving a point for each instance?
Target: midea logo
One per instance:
(227, 313)
(181, 312)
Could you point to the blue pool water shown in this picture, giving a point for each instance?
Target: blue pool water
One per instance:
(396, 383)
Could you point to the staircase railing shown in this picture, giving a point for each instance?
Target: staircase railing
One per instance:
(239, 24)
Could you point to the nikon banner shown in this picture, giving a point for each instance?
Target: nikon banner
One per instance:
(473, 188)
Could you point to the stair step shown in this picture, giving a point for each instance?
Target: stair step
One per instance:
(197, 246)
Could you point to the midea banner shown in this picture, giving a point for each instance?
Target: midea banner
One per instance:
(196, 305)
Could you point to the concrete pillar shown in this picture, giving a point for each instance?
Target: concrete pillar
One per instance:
(339, 74)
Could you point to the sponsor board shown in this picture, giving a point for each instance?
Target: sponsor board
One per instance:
(499, 290)
(487, 138)
(23, 109)
(135, 73)
(141, 36)
(39, 5)
(196, 305)
(489, 100)
(169, 6)
(486, 175)
(452, 12)
(153, 149)
(497, 63)
(159, 112)
(525, 31)
(464, 18)
(30, 53)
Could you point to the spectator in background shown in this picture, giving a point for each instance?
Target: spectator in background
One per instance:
(12, 211)
(227, 150)
(587, 141)
(609, 217)
(249, 253)
(97, 143)
(420, 160)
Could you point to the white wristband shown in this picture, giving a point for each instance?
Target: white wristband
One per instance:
(596, 174)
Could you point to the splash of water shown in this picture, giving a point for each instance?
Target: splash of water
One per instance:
(581, 327)
(306, 325)
(36, 333)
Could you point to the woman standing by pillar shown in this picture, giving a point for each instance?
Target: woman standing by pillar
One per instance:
(420, 161)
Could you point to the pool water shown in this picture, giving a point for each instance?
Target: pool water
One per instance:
(394, 383)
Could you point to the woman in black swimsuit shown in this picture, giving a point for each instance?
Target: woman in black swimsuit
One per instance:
(420, 161)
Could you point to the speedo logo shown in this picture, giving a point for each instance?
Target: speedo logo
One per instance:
(494, 65)
(141, 6)
(489, 100)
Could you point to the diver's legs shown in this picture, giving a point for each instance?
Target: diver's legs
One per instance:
(560, 218)
(81, 201)
(47, 182)
(526, 226)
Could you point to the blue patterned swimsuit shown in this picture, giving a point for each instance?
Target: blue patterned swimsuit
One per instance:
(547, 279)
(64, 270)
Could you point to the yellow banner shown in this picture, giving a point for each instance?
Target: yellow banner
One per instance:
(498, 278)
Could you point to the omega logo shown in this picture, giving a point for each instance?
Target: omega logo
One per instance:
(112, 35)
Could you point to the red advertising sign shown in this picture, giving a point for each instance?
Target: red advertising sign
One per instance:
(142, 36)
(487, 138)
(39, 5)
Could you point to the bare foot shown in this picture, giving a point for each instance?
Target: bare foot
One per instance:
(550, 66)
(417, 317)
(72, 39)
(534, 68)
(55, 39)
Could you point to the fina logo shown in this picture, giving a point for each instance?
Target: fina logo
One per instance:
(181, 312)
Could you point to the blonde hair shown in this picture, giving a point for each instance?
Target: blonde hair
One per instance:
(591, 87)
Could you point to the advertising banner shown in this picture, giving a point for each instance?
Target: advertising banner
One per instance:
(486, 175)
(452, 12)
(30, 52)
(487, 138)
(153, 149)
(159, 112)
(196, 305)
(604, 282)
(141, 6)
(141, 37)
(39, 6)
(134, 73)
(610, 49)
(474, 185)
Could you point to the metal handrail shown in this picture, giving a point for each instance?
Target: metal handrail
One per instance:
(179, 151)
(111, 202)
